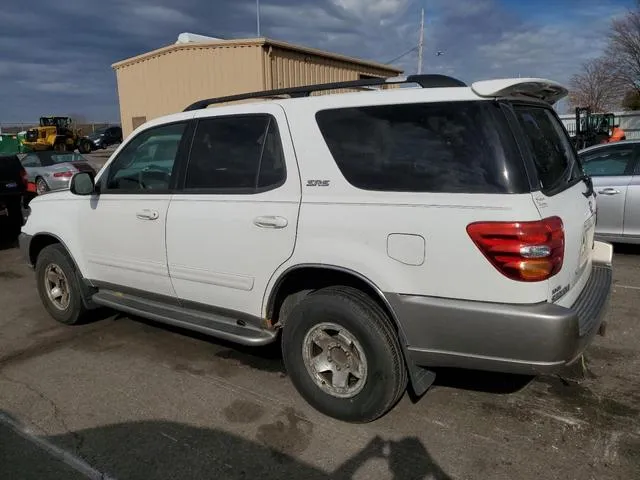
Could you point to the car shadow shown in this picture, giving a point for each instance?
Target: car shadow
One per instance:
(480, 381)
(161, 450)
(269, 358)
(626, 249)
(7, 243)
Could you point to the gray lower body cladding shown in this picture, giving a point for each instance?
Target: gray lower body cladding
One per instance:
(527, 339)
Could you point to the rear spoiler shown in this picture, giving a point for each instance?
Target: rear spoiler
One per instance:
(539, 88)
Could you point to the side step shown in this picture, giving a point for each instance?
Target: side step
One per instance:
(216, 325)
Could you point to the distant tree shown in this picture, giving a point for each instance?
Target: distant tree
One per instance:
(624, 49)
(594, 86)
(631, 100)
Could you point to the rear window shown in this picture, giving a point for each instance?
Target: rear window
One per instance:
(456, 147)
(552, 152)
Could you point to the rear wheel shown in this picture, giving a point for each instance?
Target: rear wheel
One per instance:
(41, 186)
(343, 355)
(60, 147)
(58, 285)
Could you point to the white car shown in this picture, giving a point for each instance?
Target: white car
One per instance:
(378, 233)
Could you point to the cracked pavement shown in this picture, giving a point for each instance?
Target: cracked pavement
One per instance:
(133, 399)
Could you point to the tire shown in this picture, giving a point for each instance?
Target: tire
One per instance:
(362, 320)
(85, 146)
(60, 147)
(41, 186)
(11, 225)
(55, 260)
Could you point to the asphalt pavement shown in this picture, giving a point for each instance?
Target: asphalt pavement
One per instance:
(125, 398)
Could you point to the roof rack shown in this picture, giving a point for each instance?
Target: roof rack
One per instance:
(425, 81)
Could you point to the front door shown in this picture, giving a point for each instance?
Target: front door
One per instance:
(235, 221)
(123, 228)
(610, 167)
(632, 205)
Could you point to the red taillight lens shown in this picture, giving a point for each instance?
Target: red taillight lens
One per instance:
(523, 251)
(63, 174)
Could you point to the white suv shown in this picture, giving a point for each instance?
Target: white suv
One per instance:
(375, 234)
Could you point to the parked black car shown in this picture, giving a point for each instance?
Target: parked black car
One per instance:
(13, 189)
(104, 137)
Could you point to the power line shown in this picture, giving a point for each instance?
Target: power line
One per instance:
(403, 55)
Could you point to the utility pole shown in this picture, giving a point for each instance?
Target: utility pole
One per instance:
(421, 42)
(258, 16)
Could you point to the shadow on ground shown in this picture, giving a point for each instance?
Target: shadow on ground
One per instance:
(269, 358)
(626, 249)
(6, 242)
(166, 450)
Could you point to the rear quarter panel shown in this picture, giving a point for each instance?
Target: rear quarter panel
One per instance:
(344, 226)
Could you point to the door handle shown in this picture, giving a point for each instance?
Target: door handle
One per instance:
(609, 191)
(270, 221)
(147, 214)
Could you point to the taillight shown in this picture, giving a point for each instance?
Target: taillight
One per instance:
(523, 251)
(63, 174)
(24, 178)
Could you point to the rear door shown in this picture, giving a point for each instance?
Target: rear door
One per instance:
(559, 191)
(234, 222)
(611, 169)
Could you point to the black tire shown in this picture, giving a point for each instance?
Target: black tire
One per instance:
(85, 146)
(386, 378)
(60, 147)
(41, 186)
(11, 225)
(56, 255)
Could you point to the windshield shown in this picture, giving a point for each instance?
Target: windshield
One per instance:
(553, 155)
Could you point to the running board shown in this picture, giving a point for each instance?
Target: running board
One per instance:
(214, 324)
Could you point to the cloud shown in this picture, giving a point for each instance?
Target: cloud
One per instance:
(159, 14)
(56, 57)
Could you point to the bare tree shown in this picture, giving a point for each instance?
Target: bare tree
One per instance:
(595, 86)
(624, 49)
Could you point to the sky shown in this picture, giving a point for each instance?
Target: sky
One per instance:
(55, 57)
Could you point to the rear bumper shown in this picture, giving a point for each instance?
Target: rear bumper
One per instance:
(527, 339)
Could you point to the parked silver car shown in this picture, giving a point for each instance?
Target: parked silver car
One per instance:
(51, 170)
(615, 170)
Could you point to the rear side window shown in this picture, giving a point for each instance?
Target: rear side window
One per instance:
(552, 152)
(241, 153)
(457, 147)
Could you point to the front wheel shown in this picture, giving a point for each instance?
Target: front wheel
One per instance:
(60, 147)
(343, 356)
(58, 285)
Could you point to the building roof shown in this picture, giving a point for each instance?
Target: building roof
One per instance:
(253, 42)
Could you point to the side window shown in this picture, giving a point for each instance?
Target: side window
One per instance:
(236, 153)
(605, 162)
(453, 147)
(553, 154)
(146, 163)
(31, 161)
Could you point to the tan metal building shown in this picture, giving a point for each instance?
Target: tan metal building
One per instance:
(166, 80)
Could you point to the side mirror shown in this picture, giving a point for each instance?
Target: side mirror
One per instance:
(82, 184)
